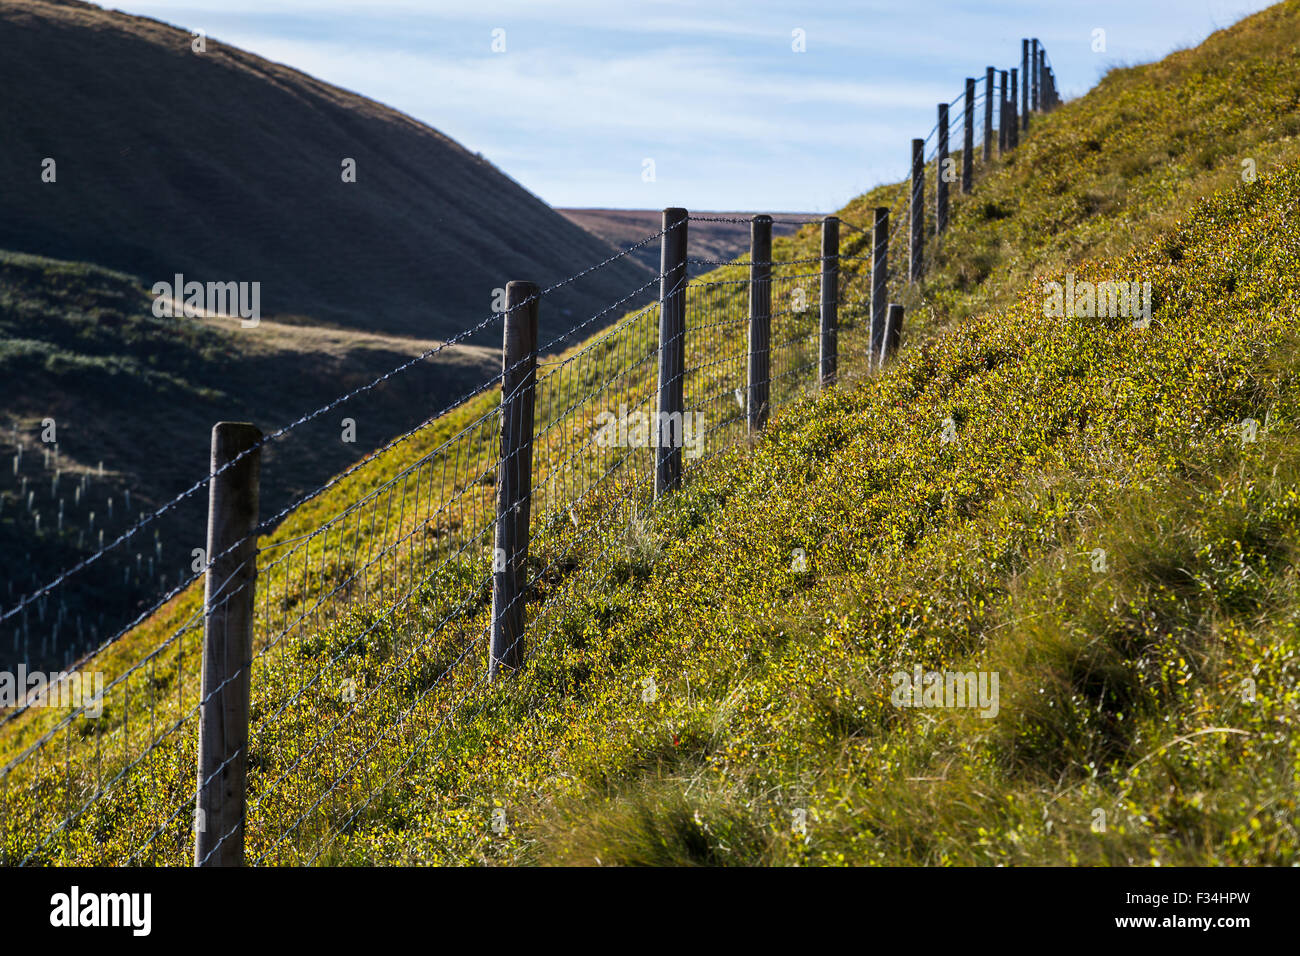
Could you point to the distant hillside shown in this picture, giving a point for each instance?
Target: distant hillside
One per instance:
(709, 240)
(222, 166)
(138, 394)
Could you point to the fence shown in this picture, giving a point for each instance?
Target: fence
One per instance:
(264, 720)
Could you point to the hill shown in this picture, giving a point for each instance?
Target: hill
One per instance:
(221, 166)
(1078, 505)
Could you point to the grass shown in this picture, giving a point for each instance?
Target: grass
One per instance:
(1123, 691)
(1148, 701)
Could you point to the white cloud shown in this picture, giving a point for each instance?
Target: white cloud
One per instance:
(711, 91)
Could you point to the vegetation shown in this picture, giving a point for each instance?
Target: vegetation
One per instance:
(1082, 506)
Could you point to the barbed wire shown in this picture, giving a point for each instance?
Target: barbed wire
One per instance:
(413, 542)
(749, 221)
(459, 337)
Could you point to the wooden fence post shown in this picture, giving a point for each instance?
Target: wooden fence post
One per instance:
(917, 210)
(893, 332)
(760, 323)
(1002, 112)
(940, 173)
(830, 318)
(968, 140)
(514, 478)
(228, 599)
(672, 351)
(988, 113)
(1037, 78)
(879, 280)
(1013, 126)
(1024, 84)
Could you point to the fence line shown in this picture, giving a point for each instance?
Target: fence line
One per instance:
(353, 637)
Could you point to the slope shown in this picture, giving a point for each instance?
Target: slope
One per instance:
(1124, 688)
(221, 166)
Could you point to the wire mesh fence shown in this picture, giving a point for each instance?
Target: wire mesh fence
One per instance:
(372, 602)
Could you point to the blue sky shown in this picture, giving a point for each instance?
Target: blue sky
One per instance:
(713, 92)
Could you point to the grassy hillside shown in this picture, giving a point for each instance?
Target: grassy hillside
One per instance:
(222, 166)
(1154, 682)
